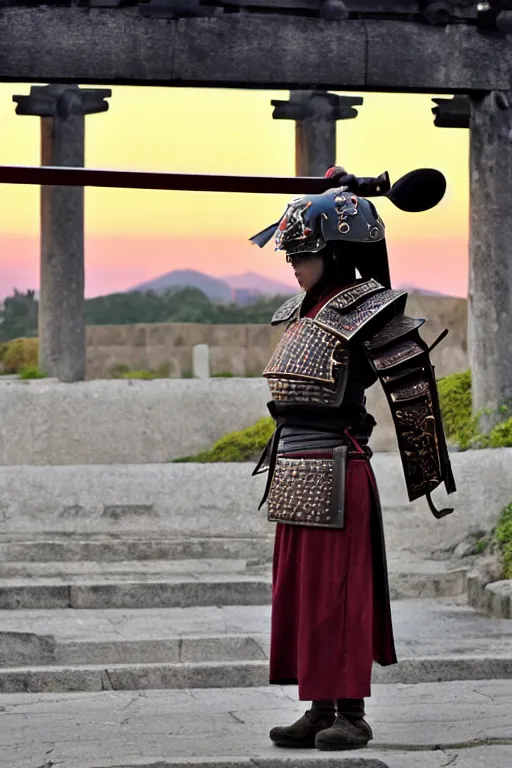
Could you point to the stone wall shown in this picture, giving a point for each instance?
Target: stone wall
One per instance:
(126, 421)
(243, 350)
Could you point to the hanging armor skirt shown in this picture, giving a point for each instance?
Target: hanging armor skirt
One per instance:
(331, 615)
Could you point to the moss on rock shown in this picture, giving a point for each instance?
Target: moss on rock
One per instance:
(244, 445)
(455, 400)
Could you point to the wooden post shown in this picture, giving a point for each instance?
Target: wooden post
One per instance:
(62, 109)
(490, 254)
(315, 114)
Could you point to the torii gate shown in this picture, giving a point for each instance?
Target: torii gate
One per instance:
(456, 47)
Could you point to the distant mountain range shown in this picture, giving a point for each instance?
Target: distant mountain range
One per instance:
(240, 288)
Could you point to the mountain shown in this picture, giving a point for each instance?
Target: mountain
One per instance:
(216, 290)
(250, 281)
(243, 289)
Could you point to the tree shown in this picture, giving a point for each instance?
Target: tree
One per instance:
(18, 316)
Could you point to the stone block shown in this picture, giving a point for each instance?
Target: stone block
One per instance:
(201, 361)
(37, 596)
(48, 679)
(222, 649)
(158, 334)
(215, 675)
(123, 421)
(228, 360)
(165, 594)
(500, 598)
(18, 649)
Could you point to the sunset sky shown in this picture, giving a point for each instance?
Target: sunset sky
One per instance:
(134, 235)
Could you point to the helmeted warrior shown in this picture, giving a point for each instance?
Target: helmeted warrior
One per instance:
(331, 614)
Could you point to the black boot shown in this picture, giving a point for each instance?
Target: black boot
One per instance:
(349, 730)
(302, 733)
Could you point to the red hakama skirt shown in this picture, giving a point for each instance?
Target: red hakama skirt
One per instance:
(331, 615)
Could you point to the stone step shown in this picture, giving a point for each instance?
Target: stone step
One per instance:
(241, 674)
(193, 570)
(122, 548)
(429, 725)
(157, 584)
(66, 650)
(178, 501)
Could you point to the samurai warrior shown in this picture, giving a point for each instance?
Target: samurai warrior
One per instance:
(346, 330)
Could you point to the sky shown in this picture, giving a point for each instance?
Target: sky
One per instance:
(134, 235)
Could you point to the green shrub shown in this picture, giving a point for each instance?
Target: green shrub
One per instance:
(20, 353)
(245, 445)
(139, 375)
(461, 427)
(502, 536)
(121, 371)
(455, 400)
(32, 372)
(500, 436)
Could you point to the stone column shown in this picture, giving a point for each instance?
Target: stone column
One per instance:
(490, 253)
(62, 109)
(315, 114)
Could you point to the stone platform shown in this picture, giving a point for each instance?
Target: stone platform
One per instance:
(429, 725)
(182, 501)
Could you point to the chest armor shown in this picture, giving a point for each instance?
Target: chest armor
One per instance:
(309, 365)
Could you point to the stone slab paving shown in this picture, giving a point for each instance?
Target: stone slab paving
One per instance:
(467, 725)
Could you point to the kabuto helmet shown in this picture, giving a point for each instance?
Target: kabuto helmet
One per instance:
(341, 215)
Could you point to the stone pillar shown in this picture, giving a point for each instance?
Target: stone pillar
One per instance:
(490, 254)
(62, 109)
(315, 114)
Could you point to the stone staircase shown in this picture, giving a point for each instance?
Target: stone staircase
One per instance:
(124, 629)
(195, 613)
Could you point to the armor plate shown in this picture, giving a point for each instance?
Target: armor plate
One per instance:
(400, 358)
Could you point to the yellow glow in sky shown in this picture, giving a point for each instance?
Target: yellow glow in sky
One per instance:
(194, 130)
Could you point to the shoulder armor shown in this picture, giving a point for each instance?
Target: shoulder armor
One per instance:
(347, 313)
(289, 309)
(400, 358)
(399, 326)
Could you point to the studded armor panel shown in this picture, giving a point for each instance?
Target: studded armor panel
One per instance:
(401, 359)
(305, 351)
(309, 365)
(347, 324)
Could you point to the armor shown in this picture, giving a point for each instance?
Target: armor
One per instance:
(324, 363)
(308, 376)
